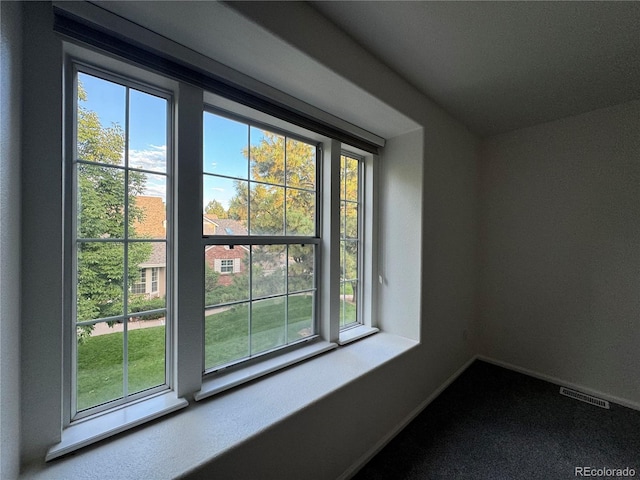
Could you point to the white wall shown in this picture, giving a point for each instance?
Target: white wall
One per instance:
(41, 355)
(10, 215)
(428, 248)
(560, 249)
(428, 216)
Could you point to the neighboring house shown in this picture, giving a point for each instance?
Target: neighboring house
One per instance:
(152, 279)
(224, 259)
(152, 273)
(154, 217)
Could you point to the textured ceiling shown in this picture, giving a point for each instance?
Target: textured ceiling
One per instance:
(499, 66)
(495, 66)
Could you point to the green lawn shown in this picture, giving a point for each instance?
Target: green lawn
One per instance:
(227, 339)
(100, 365)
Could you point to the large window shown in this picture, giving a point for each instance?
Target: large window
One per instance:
(266, 239)
(121, 174)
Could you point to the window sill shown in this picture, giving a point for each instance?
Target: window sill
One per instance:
(226, 380)
(93, 429)
(209, 428)
(356, 333)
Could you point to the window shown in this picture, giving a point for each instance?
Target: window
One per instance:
(226, 266)
(350, 245)
(121, 174)
(154, 280)
(254, 287)
(140, 286)
(261, 186)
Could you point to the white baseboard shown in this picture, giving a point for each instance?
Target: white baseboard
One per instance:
(357, 465)
(361, 462)
(560, 382)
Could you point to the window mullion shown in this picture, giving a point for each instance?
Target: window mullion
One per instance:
(330, 280)
(188, 340)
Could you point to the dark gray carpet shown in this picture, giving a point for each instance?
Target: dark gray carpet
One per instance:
(492, 423)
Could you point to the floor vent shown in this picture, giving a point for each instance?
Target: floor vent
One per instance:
(583, 397)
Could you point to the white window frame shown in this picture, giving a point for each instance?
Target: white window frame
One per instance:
(155, 278)
(185, 376)
(225, 268)
(360, 231)
(141, 283)
(76, 67)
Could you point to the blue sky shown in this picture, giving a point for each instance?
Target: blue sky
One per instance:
(225, 145)
(225, 140)
(147, 125)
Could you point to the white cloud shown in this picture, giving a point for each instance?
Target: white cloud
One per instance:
(153, 158)
(156, 187)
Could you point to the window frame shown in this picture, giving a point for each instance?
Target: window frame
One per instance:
(130, 77)
(361, 230)
(224, 266)
(155, 278)
(140, 283)
(250, 240)
(184, 372)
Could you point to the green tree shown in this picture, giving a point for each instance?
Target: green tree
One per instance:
(101, 214)
(216, 208)
(349, 235)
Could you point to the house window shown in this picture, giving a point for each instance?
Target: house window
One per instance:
(140, 286)
(262, 183)
(350, 234)
(120, 176)
(154, 280)
(226, 266)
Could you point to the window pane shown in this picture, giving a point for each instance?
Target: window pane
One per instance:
(301, 164)
(301, 212)
(349, 178)
(100, 368)
(147, 131)
(349, 260)
(300, 317)
(146, 352)
(116, 202)
(100, 281)
(225, 146)
(230, 287)
(301, 267)
(348, 303)
(100, 200)
(268, 322)
(225, 206)
(267, 210)
(269, 266)
(350, 240)
(147, 205)
(350, 227)
(267, 156)
(226, 334)
(101, 119)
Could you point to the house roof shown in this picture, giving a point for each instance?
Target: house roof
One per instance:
(154, 216)
(158, 257)
(212, 225)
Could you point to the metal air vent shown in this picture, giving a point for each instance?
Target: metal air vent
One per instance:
(583, 397)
